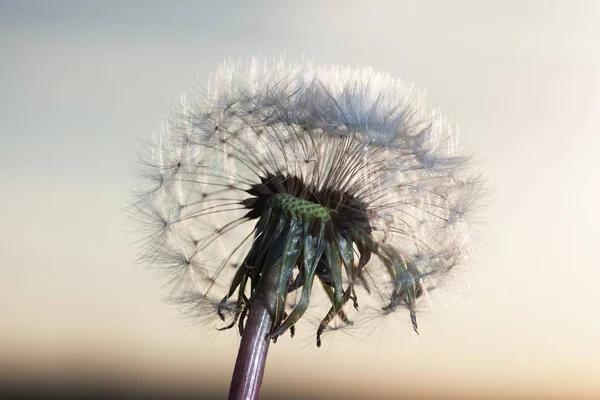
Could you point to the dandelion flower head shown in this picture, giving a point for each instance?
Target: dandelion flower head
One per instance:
(300, 174)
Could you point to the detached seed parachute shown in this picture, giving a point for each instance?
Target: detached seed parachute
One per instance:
(293, 174)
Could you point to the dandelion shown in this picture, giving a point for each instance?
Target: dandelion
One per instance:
(278, 176)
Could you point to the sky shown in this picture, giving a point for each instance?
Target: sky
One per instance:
(82, 82)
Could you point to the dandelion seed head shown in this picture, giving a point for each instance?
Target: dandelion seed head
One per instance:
(329, 174)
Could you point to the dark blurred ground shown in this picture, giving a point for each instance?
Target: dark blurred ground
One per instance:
(117, 375)
(33, 390)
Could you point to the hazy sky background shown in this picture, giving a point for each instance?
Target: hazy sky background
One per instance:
(81, 82)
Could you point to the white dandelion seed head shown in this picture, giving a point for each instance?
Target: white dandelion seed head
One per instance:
(325, 134)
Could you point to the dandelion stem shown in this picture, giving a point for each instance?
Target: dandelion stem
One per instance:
(252, 355)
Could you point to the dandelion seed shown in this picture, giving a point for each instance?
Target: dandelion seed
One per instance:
(297, 174)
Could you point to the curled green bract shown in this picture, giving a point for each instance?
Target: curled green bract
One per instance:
(291, 233)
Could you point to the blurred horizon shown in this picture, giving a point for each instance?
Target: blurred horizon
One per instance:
(82, 82)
